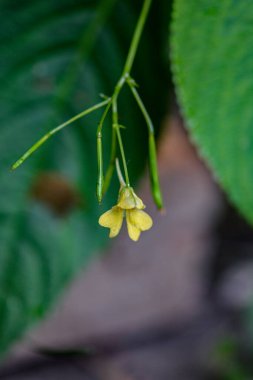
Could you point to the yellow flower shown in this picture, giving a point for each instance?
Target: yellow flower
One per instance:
(131, 206)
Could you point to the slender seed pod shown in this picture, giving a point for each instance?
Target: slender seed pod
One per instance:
(100, 179)
(155, 185)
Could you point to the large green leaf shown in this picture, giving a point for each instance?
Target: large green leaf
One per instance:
(212, 54)
(56, 57)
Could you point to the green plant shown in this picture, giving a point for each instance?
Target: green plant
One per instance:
(55, 60)
(56, 57)
(111, 103)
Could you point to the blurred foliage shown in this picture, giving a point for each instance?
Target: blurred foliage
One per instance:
(56, 57)
(229, 360)
(212, 64)
(212, 54)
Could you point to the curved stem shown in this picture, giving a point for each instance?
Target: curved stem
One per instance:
(116, 129)
(154, 177)
(119, 173)
(115, 126)
(137, 35)
(142, 107)
(40, 142)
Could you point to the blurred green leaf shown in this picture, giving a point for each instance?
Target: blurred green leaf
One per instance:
(56, 57)
(212, 54)
(229, 360)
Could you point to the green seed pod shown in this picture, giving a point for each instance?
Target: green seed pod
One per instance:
(100, 179)
(155, 186)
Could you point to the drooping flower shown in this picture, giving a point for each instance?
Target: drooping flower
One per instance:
(131, 206)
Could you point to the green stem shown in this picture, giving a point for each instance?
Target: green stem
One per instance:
(100, 125)
(125, 74)
(117, 130)
(109, 172)
(121, 147)
(141, 106)
(40, 142)
(119, 173)
(110, 169)
(154, 177)
(137, 35)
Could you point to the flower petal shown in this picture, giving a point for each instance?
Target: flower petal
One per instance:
(133, 231)
(138, 202)
(112, 219)
(140, 219)
(129, 200)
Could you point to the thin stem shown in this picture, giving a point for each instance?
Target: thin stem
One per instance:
(117, 129)
(101, 123)
(121, 147)
(119, 173)
(137, 35)
(142, 107)
(126, 71)
(154, 177)
(40, 142)
(109, 172)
